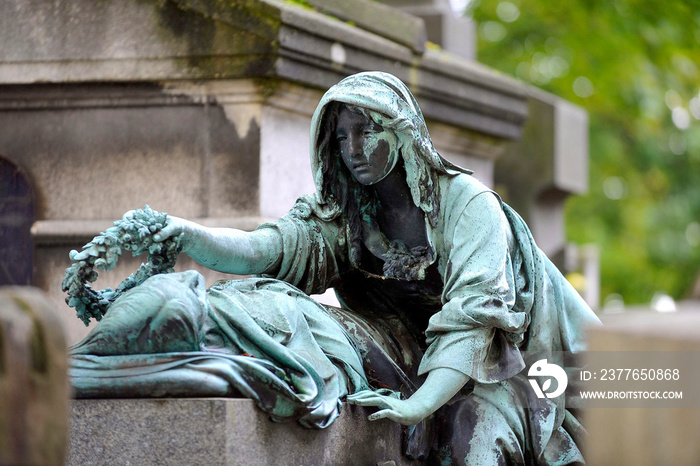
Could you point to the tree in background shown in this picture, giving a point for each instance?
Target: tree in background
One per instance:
(635, 66)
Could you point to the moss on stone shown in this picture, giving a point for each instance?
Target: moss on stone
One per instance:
(302, 3)
(222, 38)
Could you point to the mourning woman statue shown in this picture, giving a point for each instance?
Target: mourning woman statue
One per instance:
(444, 296)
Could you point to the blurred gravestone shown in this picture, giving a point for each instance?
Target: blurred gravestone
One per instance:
(33, 379)
(660, 433)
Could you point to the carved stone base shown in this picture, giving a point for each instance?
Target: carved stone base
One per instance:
(217, 431)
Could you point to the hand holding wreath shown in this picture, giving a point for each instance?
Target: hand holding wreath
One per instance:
(134, 232)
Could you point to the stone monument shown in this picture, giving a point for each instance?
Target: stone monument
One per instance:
(215, 98)
(444, 295)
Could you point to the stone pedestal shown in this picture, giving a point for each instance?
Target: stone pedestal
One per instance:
(217, 431)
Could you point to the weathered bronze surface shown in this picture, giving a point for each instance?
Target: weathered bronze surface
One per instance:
(442, 287)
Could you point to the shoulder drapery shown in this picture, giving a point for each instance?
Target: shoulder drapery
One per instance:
(502, 295)
(312, 247)
(476, 331)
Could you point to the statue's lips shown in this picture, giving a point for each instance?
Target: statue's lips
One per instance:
(360, 166)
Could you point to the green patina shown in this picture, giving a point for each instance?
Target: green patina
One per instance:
(221, 38)
(483, 303)
(132, 233)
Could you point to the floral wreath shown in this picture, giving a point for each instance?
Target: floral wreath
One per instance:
(134, 232)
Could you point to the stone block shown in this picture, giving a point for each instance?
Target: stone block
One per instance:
(445, 27)
(217, 431)
(536, 174)
(380, 19)
(33, 379)
(81, 41)
(647, 436)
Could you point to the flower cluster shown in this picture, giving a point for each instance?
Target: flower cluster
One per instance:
(134, 232)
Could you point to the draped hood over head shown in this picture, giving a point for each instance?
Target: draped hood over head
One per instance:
(385, 94)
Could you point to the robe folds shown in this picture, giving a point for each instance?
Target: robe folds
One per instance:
(503, 306)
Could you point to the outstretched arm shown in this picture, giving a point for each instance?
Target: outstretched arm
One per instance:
(226, 249)
(440, 386)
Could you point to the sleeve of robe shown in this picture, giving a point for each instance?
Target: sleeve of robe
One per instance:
(476, 331)
(311, 247)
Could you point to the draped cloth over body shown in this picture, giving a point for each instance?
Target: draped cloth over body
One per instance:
(258, 338)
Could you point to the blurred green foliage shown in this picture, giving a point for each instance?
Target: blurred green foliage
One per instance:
(635, 66)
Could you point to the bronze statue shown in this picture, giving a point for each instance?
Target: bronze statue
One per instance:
(445, 300)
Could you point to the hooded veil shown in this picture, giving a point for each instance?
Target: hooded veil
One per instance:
(387, 95)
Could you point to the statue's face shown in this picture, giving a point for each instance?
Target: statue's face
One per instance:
(161, 315)
(183, 290)
(368, 150)
(188, 288)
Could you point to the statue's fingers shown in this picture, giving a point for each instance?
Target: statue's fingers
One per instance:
(76, 256)
(376, 401)
(365, 396)
(166, 232)
(361, 394)
(360, 401)
(383, 414)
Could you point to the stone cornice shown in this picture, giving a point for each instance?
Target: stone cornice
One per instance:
(266, 40)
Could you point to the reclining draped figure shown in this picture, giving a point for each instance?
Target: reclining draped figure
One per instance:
(443, 295)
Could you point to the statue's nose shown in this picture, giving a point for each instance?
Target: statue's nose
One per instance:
(355, 145)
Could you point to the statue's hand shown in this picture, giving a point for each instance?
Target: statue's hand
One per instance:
(177, 226)
(406, 412)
